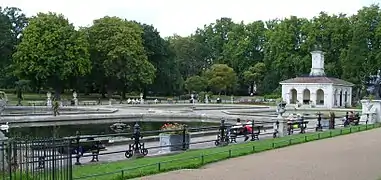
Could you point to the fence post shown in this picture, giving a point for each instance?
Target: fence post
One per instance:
(78, 149)
(159, 166)
(222, 139)
(184, 134)
(330, 133)
(319, 127)
(202, 159)
(230, 153)
(252, 131)
(253, 148)
(289, 141)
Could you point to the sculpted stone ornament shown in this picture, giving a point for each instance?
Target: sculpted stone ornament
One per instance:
(368, 106)
(3, 101)
(373, 85)
(280, 109)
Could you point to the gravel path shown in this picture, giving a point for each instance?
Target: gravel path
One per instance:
(350, 157)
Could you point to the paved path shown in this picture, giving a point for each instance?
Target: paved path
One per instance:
(350, 157)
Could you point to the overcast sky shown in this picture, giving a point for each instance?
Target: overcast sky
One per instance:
(183, 17)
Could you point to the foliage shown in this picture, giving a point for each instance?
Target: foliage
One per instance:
(128, 56)
(196, 84)
(118, 54)
(173, 128)
(51, 50)
(221, 77)
(272, 96)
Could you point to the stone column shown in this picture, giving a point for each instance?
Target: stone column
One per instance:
(282, 126)
(313, 98)
(287, 98)
(300, 97)
(338, 100)
(3, 154)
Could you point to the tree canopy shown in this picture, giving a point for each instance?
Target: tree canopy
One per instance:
(116, 55)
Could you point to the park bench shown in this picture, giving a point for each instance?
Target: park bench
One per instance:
(87, 103)
(37, 103)
(89, 145)
(240, 130)
(291, 125)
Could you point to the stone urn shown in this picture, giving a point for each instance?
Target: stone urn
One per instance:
(174, 142)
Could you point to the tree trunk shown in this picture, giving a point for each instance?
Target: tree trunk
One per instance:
(57, 93)
(123, 93)
(109, 93)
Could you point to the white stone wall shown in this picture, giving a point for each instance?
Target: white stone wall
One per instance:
(312, 87)
(344, 89)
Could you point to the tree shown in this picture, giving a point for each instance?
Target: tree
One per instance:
(196, 83)
(254, 75)
(51, 50)
(162, 58)
(21, 86)
(12, 22)
(188, 54)
(221, 77)
(117, 52)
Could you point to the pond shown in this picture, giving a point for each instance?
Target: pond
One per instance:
(89, 129)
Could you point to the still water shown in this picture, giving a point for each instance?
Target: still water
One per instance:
(87, 129)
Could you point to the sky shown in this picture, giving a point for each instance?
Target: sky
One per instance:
(183, 17)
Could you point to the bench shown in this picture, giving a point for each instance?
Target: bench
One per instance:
(87, 103)
(241, 130)
(302, 125)
(37, 103)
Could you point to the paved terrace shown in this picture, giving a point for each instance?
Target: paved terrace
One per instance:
(349, 157)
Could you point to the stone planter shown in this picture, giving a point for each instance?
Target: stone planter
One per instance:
(174, 142)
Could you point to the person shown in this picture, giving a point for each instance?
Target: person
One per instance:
(248, 129)
(351, 116)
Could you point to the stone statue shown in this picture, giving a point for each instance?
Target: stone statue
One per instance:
(373, 87)
(3, 101)
(280, 109)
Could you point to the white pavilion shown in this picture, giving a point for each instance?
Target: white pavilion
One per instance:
(317, 90)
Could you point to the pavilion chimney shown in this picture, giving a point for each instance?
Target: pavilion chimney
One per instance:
(317, 68)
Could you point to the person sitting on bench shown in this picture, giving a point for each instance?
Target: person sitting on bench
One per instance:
(247, 129)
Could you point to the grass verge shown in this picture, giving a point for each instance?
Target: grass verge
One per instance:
(196, 158)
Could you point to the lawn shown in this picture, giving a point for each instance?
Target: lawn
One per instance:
(196, 158)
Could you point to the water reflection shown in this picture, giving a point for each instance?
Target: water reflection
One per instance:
(87, 129)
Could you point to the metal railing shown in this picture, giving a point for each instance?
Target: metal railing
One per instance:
(55, 158)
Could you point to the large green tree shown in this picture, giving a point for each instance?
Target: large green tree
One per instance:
(221, 78)
(51, 50)
(117, 53)
(160, 55)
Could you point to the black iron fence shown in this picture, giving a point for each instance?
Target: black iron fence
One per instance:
(55, 158)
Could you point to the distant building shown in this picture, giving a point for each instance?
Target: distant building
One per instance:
(317, 89)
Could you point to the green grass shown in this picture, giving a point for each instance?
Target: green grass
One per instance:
(196, 158)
